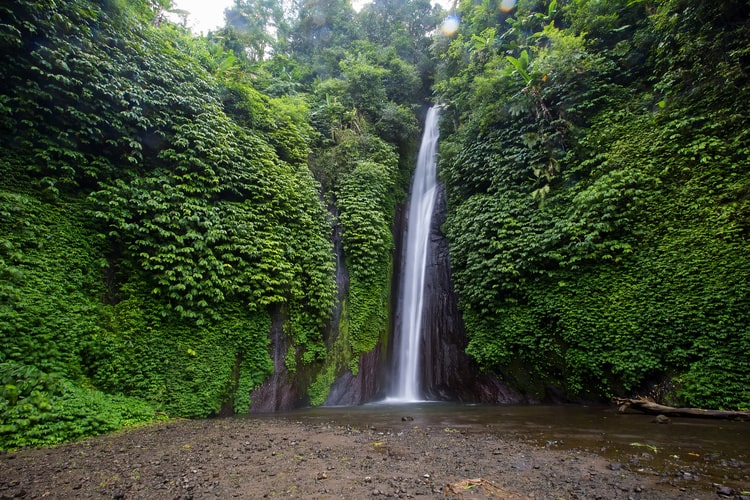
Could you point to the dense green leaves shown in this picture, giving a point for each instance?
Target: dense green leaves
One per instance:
(42, 409)
(160, 191)
(153, 213)
(51, 278)
(365, 202)
(598, 204)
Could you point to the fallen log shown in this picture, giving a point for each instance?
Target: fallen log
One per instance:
(652, 408)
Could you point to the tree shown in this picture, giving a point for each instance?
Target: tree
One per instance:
(255, 29)
(322, 31)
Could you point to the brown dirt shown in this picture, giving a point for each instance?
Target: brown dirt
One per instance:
(267, 457)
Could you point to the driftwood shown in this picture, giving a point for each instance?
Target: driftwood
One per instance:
(479, 488)
(650, 407)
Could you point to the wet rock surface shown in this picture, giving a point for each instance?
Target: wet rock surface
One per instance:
(447, 371)
(265, 457)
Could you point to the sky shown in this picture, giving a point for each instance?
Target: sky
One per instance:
(205, 15)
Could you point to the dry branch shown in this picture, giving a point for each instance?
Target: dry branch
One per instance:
(650, 407)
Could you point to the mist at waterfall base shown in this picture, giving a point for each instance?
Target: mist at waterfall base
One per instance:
(405, 386)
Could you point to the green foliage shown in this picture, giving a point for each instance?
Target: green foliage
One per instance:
(154, 208)
(364, 85)
(183, 369)
(373, 91)
(598, 204)
(321, 387)
(51, 272)
(41, 409)
(364, 199)
(205, 252)
(702, 52)
(402, 26)
(397, 124)
(254, 28)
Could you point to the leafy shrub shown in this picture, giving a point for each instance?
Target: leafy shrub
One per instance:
(40, 409)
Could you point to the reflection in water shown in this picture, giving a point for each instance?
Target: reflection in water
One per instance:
(713, 449)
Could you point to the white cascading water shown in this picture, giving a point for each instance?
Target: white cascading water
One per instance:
(406, 386)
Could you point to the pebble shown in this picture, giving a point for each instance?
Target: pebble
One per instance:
(661, 419)
(724, 490)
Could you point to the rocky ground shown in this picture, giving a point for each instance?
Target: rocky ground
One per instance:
(265, 457)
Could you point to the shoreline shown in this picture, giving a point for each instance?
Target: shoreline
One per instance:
(270, 457)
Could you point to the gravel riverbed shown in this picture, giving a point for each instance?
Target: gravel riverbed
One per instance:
(269, 457)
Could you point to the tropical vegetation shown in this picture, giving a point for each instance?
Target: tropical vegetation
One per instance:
(166, 198)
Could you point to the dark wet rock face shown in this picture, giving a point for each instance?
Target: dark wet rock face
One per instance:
(448, 372)
(350, 390)
(280, 392)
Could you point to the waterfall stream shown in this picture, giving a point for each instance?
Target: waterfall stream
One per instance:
(406, 385)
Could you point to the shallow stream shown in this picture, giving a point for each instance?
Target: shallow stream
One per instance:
(684, 450)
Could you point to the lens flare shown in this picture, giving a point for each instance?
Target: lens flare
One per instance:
(450, 25)
(507, 5)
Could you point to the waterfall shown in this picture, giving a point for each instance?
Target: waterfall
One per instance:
(406, 385)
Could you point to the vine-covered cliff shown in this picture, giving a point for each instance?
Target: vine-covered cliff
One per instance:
(595, 157)
(192, 226)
